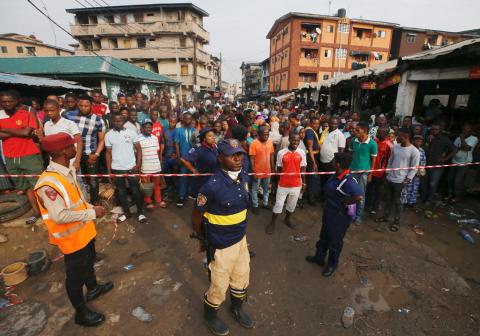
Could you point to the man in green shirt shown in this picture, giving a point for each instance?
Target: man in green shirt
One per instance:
(364, 151)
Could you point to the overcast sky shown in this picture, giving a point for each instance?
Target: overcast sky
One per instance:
(238, 27)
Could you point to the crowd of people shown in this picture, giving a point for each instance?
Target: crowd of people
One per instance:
(226, 157)
(144, 135)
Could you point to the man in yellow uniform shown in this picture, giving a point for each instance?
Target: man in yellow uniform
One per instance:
(70, 222)
(220, 216)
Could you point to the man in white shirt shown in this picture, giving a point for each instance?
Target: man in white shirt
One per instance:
(121, 159)
(131, 122)
(58, 124)
(464, 144)
(333, 143)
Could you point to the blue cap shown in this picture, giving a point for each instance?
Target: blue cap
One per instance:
(147, 121)
(230, 147)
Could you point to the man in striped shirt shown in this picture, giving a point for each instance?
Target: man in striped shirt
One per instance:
(92, 129)
(148, 158)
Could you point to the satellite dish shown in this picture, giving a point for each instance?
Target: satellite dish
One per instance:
(318, 30)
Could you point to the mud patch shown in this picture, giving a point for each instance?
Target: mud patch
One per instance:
(26, 319)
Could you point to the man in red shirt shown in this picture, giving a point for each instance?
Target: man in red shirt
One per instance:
(289, 160)
(157, 129)
(22, 156)
(374, 188)
(98, 106)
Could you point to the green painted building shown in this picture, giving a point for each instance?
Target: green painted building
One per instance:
(109, 74)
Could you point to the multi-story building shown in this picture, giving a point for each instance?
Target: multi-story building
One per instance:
(265, 84)
(17, 45)
(408, 41)
(164, 38)
(251, 79)
(308, 48)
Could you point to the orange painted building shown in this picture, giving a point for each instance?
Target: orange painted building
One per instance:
(306, 49)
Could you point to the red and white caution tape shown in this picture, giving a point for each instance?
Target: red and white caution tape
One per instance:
(261, 174)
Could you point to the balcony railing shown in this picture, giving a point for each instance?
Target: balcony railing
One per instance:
(307, 84)
(139, 28)
(188, 80)
(308, 62)
(150, 52)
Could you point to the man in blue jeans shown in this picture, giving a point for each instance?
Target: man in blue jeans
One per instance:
(183, 145)
(364, 151)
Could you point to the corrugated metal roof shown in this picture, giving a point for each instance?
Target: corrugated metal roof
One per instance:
(434, 53)
(39, 81)
(391, 65)
(373, 70)
(81, 66)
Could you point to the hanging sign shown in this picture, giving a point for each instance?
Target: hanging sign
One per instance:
(474, 73)
(368, 86)
(392, 80)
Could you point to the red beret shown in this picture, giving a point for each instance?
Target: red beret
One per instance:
(57, 142)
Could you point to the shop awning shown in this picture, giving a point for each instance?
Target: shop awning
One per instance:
(285, 97)
(39, 81)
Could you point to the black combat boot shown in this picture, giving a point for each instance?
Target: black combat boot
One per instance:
(237, 297)
(88, 318)
(216, 326)
(99, 290)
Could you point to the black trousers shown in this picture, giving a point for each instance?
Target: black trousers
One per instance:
(133, 185)
(80, 272)
(391, 199)
(325, 167)
(93, 182)
(374, 193)
(334, 227)
(313, 181)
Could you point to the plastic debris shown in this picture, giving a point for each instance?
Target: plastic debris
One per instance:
(114, 318)
(404, 310)
(473, 221)
(299, 238)
(445, 289)
(129, 267)
(467, 236)
(175, 226)
(142, 315)
(177, 286)
(454, 215)
(347, 317)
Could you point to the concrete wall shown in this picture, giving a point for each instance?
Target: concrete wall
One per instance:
(40, 50)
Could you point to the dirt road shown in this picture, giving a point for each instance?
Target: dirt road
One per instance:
(398, 283)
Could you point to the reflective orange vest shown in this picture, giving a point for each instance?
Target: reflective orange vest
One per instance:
(69, 237)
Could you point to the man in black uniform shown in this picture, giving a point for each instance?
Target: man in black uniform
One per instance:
(342, 192)
(220, 216)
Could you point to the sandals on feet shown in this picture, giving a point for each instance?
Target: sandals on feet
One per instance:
(142, 218)
(162, 204)
(31, 220)
(394, 227)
